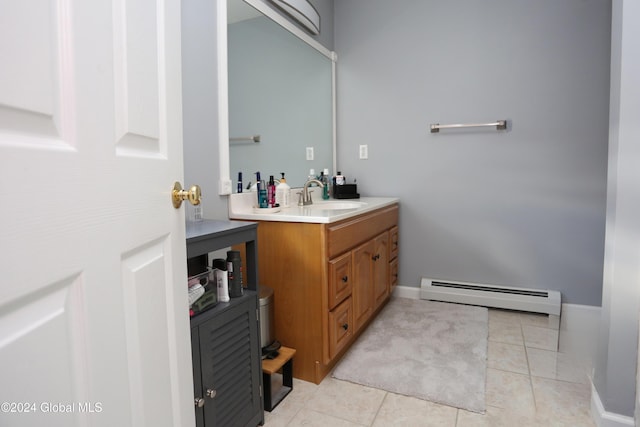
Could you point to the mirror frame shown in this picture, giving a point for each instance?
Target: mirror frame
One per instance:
(225, 185)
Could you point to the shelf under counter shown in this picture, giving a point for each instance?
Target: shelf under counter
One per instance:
(211, 235)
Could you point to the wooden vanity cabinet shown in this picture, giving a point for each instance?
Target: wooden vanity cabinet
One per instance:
(393, 258)
(329, 281)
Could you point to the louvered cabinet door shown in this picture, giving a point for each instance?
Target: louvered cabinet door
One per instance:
(230, 363)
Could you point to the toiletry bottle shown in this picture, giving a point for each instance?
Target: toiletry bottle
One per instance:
(262, 191)
(271, 192)
(283, 192)
(340, 180)
(234, 268)
(239, 182)
(325, 182)
(222, 278)
(312, 175)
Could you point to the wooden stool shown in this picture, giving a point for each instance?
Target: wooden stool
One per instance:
(271, 366)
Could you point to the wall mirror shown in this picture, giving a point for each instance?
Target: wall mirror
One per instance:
(280, 88)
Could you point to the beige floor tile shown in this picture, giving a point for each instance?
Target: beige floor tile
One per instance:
(505, 316)
(507, 357)
(557, 366)
(282, 414)
(347, 401)
(509, 390)
(562, 401)
(536, 319)
(310, 418)
(495, 417)
(302, 392)
(403, 411)
(510, 333)
(542, 338)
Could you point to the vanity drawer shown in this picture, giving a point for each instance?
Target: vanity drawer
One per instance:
(340, 327)
(347, 234)
(339, 279)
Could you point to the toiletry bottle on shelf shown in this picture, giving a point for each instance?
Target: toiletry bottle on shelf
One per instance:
(340, 180)
(222, 278)
(262, 191)
(271, 192)
(239, 182)
(325, 182)
(283, 192)
(234, 268)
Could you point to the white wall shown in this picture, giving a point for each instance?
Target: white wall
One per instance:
(616, 362)
(524, 207)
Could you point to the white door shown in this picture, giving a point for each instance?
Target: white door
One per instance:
(94, 327)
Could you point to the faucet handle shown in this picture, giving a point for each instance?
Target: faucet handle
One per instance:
(301, 198)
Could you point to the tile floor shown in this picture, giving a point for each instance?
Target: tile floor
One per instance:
(528, 384)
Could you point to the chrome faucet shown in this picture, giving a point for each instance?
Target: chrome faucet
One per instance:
(305, 194)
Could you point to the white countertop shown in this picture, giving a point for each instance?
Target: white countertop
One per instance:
(241, 206)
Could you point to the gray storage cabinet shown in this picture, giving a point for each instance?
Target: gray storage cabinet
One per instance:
(227, 364)
(225, 340)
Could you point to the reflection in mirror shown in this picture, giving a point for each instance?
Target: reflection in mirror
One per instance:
(280, 88)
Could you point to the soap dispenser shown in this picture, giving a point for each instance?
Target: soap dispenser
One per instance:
(283, 192)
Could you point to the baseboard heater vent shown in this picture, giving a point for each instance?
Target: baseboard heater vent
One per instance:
(510, 298)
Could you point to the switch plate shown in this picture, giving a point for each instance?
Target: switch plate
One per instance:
(364, 152)
(309, 153)
(224, 186)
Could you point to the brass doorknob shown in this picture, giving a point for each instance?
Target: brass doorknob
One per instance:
(193, 195)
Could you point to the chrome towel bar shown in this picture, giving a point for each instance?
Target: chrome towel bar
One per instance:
(500, 125)
(254, 138)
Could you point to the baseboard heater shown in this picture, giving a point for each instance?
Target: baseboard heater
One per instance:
(510, 298)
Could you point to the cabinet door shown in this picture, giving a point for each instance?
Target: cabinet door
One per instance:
(393, 243)
(362, 284)
(380, 269)
(231, 366)
(339, 279)
(393, 274)
(340, 327)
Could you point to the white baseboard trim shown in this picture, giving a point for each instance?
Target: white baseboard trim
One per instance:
(407, 292)
(602, 418)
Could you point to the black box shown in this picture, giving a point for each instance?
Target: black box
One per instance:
(345, 191)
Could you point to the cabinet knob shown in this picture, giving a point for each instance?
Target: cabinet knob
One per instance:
(376, 257)
(345, 279)
(345, 326)
(211, 393)
(199, 402)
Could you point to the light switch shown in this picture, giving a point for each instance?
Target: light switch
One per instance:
(364, 152)
(309, 153)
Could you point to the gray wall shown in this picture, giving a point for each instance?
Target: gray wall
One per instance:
(200, 104)
(525, 207)
(615, 365)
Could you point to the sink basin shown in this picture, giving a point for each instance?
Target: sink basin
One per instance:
(337, 205)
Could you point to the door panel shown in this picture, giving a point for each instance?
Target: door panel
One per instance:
(362, 284)
(93, 302)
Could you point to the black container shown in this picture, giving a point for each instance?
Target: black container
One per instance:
(234, 267)
(345, 191)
